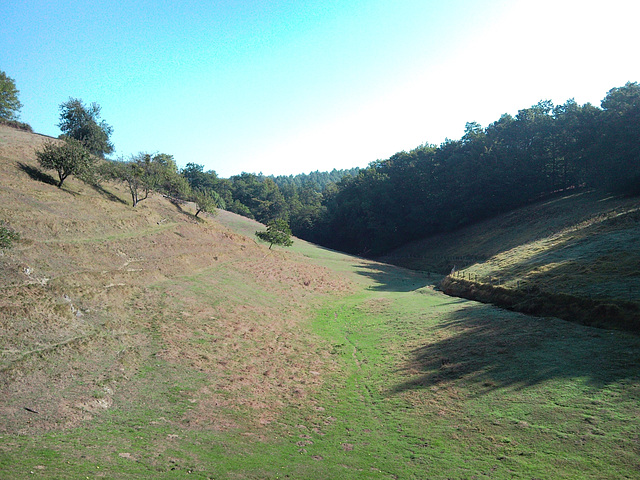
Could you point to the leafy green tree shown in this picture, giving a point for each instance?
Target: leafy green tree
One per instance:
(145, 172)
(163, 176)
(132, 173)
(277, 233)
(198, 178)
(207, 201)
(68, 157)
(260, 195)
(240, 208)
(9, 103)
(83, 124)
(7, 236)
(620, 133)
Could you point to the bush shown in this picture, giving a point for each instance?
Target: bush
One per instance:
(16, 124)
(7, 236)
(278, 233)
(67, 158)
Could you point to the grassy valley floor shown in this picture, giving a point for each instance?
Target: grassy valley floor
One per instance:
(399, 381)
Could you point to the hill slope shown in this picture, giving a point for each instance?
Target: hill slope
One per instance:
(579, 249)
(89, 297)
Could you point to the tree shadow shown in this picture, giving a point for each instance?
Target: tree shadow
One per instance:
(106, 193)
(37, 174)
(389, 278)
(488, 238)
(495, 349)
(596, 260)
(177, 202)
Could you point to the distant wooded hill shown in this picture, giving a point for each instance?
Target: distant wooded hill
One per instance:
(431, 189)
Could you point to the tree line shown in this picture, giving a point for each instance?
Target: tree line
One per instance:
(515, 160)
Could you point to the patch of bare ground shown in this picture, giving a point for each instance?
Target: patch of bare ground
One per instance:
(96, 293)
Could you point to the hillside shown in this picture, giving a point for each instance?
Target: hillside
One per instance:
(581, 248)
(144, 343)
(90, 299)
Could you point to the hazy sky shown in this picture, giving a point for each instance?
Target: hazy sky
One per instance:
(293, 86)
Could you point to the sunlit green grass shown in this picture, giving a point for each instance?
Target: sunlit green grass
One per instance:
(421, 385)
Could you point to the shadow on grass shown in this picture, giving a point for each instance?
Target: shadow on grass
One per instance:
(389, 278)
(37, 174)
(494, 349)
(601, 237)
(106, 193)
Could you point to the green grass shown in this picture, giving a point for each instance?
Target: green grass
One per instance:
(574, 257)
(423, 386)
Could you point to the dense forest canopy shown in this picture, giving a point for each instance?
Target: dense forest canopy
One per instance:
(515, 160)
(317, 178)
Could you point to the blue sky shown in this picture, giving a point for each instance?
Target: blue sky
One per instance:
(287, 87)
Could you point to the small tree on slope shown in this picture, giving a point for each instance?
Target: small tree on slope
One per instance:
(67, 158)
(278, 233)
(206, 201)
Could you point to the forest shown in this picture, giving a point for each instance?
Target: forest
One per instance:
(514, 161)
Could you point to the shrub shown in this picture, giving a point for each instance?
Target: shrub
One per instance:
(16, 124)
(67, 158)
(7, 236)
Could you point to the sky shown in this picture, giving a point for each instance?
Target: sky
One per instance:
(293, 86)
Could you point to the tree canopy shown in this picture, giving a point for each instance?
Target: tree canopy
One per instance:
(277, 233)
(543, 150)
(9, 103)
(68, 157)
(82, 122)
(145, 172)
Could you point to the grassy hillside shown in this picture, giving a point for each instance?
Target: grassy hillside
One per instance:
(152, 344)
(579, 249)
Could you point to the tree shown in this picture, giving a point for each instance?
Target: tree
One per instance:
(278, 233)
(163, 176)
(9, 103)
(83, 124)
(620, 132)
(67, 158)
(260, 195)
(145, 172)
(206, 201)
(133, 173)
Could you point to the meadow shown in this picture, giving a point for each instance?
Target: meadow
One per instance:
(198, 353)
